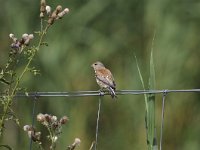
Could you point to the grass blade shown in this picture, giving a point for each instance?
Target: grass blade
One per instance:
(150, 116)
(142, 81)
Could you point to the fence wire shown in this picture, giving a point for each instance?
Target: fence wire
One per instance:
(165, 92)
(99, 93)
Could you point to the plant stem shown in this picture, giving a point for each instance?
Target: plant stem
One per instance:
(11, 96)
(51, 134)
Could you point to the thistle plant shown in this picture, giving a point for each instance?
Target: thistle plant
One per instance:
(53, 126)
(21, 49)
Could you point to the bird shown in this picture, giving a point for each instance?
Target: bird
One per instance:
(104, 78)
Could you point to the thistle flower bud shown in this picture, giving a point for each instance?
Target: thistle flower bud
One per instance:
(66, 10)
(61, 14)
(53, 119)
(32, 134)
(77, 142)
(48, 10)
(64, 120)
(26, 127)
(30, 36)
(42, 2)
(27, 41)
(42, 8)
(24, 36)
(11, 35)
(50, 21)
(42, 5)
(59, 8)
(40, 118)
(54, 15)
(47, 117)
(41, 15)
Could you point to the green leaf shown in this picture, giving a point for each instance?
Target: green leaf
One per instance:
(142, 81)
(44, 43)
(150, 116)
(2, 80)
(37, 32)
(152, 73)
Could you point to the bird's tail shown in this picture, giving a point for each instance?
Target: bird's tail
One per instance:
(112, 92)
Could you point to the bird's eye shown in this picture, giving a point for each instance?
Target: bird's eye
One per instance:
(95, 64)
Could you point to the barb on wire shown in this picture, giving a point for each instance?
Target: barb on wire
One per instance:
(97, 93)
(162, 117)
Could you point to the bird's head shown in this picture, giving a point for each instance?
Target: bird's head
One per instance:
(97, 65)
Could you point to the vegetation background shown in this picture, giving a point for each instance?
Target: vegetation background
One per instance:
(111, 31)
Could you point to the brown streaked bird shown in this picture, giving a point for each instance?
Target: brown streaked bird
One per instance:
(104, 78)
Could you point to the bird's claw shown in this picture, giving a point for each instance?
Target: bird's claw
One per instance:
(101, 92)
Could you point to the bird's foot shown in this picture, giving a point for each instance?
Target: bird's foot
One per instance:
(101, 92)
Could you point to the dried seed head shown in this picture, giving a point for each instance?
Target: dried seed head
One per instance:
(48, 10)
(26, 127)
(64, 120)
(50, 21)
(16, 45)
(77, 142)
(42, 8)
(57, 14)
(35, 136)
(11, 35)
(59, 8)
(54, 15)
(40, 118)
(61, 14)
(41, 15)
(30, 36)
(53, 119)
(24, 36)
(42, 5)
(43, 2)
(38, 135)
(47, 118)
(66, 10)
(27, 41)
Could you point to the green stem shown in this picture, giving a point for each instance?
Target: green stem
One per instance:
(40, 147)
(51, 134)
(29, 62)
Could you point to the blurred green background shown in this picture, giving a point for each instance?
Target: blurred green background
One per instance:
(111, 31)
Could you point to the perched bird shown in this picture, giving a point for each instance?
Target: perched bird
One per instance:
(104, 78)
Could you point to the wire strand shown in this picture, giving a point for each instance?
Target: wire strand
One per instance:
(97, 126)
(162, 117)
(98, 93)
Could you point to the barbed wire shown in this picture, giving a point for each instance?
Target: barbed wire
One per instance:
(99, 93)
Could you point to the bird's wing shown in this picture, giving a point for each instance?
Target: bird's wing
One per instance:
(106, 77)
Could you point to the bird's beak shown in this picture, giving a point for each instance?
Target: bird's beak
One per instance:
(92, 65)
